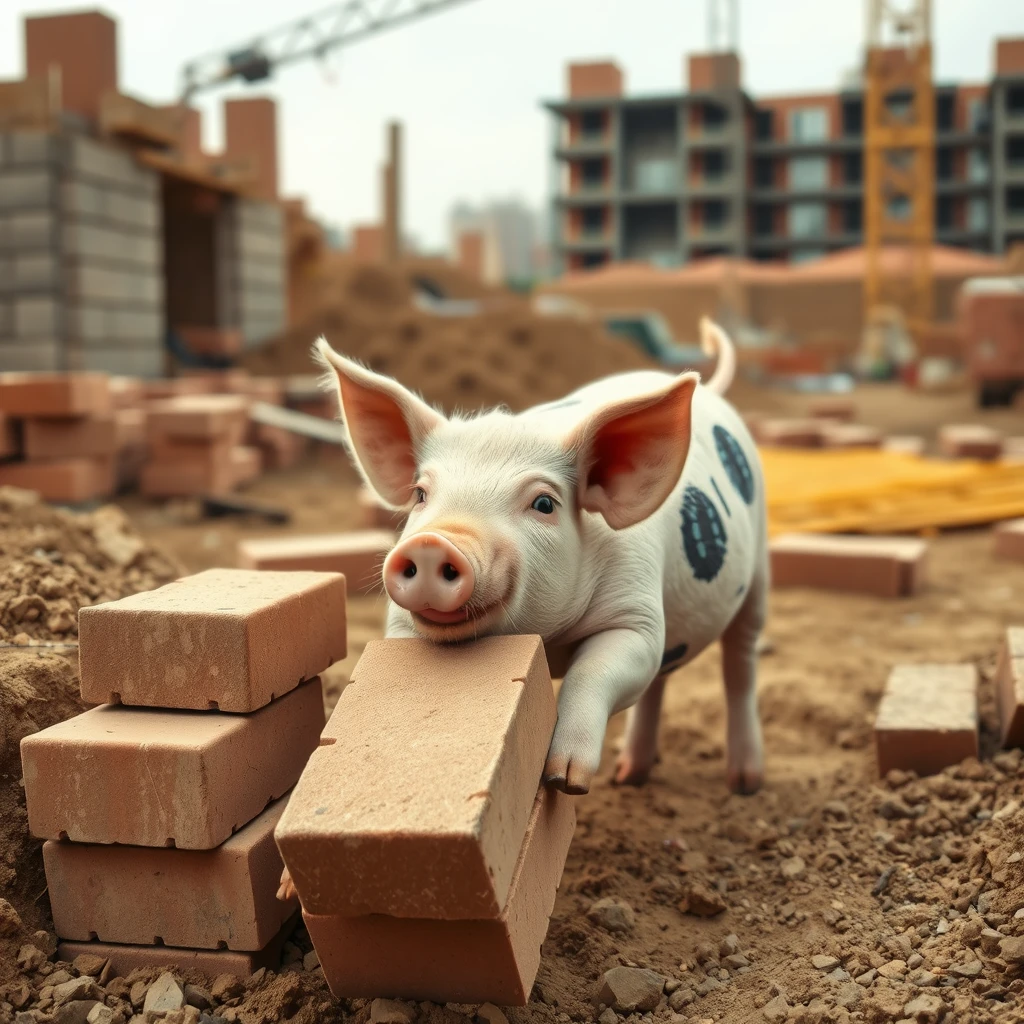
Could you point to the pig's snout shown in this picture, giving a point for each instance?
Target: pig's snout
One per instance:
(427, 573)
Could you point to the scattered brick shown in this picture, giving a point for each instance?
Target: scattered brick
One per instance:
(850, 435)
(68, 481)
(880, 566)
(790, 433)
(970, 441)
(105, 775)
(359, 555)
(200, 417)
(83, 437)
(928, 718)
(905, 444)
(1009, 540)
(201, 899)
(55, 394)
(469, 961)
(434, 832)
(183, 478)
(225, 638)
(1010, 687)
(125, 958)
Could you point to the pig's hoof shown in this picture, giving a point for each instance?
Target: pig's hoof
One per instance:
(746, 782)
(286, 890)
(631, 772)
(567, 776)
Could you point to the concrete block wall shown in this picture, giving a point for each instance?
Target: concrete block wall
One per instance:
(255, 256)
(81, 277)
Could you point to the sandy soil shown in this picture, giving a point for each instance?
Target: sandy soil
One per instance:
(907, 890)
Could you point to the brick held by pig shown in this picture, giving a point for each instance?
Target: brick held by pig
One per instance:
(626, 521)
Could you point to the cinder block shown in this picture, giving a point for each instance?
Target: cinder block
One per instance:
(33, 229)
(67, 481)
(359, 555)
(26, 189)
(153, 777)
(1010, 687)
(928, 718)
(145, 358)
(92, 241)
(55, 394)
(906, 444)
(204, 899)
(790, 433)
(200, 417)
(1009, 540)
(124, 959)
(84, 437)
(100, 161)
(838, 408)
(33, 272)
(36, 317)
(414, 833)
(970, 441)
(225, 638)
(850, 435)
(880, 566)
(139, 287)
(463, 961)
(34, 148)
(31, 357)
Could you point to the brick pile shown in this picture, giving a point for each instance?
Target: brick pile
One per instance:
(60, 435)
(158, 807)
(445, 853)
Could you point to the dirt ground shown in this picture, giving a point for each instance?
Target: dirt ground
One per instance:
(828, 896)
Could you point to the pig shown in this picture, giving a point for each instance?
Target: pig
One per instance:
(625, 521)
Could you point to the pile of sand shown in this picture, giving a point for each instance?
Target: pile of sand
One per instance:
(506, 354)
(53, 562)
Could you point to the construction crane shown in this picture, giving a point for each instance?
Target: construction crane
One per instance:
(899, 155)
(313, 36)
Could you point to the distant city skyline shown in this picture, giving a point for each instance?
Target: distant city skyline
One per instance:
(468, 83)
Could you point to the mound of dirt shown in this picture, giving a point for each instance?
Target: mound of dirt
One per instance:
(52, 562)
(504, 355)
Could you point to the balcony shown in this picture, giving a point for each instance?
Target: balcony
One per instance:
(585, 145)
(835, 144)
(1014, 174)
(587, 241)
(705, 185)
(844, 190)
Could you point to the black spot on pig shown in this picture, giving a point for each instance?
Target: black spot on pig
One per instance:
(737, 467)
(704, 540)
(673, 656)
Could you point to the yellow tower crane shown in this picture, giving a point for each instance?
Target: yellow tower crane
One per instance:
(899, 173)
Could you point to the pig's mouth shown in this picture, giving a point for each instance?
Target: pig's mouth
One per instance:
(461, 623)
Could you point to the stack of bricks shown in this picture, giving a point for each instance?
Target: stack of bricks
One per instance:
(158, 807)
(789, 433)
(432, 872)
(878, 566)
(195, 446)
(970, 441)
(65, 428)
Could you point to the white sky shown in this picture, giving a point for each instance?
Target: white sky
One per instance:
(467, 82)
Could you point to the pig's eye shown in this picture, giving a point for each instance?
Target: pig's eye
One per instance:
(421, 496)
(544, 504)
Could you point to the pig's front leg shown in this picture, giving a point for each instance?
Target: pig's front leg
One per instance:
(609, 673)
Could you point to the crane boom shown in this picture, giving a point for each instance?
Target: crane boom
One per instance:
(312, 36)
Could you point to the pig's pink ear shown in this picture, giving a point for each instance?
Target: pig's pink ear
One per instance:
(385, 423)
(631, 452)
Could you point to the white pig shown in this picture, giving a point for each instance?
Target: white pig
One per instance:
(627, 519)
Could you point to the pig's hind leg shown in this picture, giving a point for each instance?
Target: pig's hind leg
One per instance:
(745, 757)
(640, 751)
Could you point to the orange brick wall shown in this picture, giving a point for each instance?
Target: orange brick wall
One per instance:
(250, 130)
(84, 47)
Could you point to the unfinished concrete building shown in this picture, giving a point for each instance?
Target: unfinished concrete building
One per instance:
(117, 233)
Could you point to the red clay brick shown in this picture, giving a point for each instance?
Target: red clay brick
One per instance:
(970, 441)
(125, 958)
(927, 718)
(62, 480)
(1009, 540)
(790, 433)
(462, 961)
(224, 638)
(83, 437)
(200, 417)
(850, 435)
(55, 394)
(204, 899)
(440, 749)
(881, 566)
(246, 464)
(359, 555)
(280, 448)
(182, 478)
(150, 777)
(1010, 687)
(127, 392)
